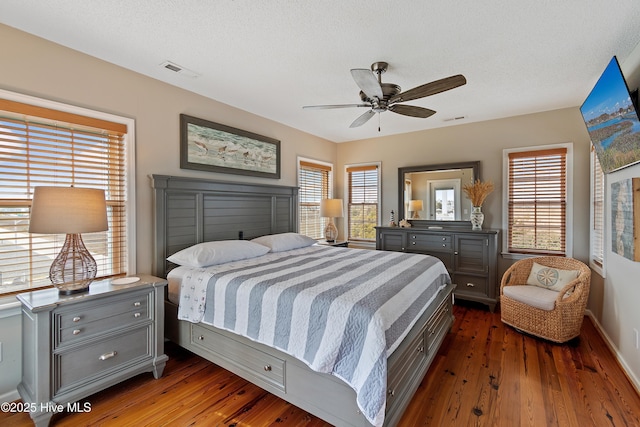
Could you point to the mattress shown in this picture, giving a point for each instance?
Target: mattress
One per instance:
(341, 311)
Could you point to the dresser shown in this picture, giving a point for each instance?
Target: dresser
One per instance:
(471, 257)
(76, 345)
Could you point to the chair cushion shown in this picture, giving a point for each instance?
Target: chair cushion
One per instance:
(534, 296)
(550, 277)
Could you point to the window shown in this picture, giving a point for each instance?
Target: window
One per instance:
(42, 146)
(537, 200)
(597, 213)
(364, 195)
(314, 181)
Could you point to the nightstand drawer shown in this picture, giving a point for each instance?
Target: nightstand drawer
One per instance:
(81, 366)
(87, 319)
(81, 331)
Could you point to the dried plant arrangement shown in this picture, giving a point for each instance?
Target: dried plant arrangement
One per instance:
(477, 191)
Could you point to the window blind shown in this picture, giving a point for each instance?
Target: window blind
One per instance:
(597, 243)
(537, 202)
(314, 182)
(44, 147)
(363, 202)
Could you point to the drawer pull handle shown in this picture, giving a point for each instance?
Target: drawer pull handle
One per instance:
(76, 331)
(391, 392)
(470, 285)
(421, 349)
(455, 253)
(201, 338)
(413, 243)
(267, 368)
(108, 355)
(76, 319)
(444, 245)
(136, 304)
(137, 315)
(444, 238)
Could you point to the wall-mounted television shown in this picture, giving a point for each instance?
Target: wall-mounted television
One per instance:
(612, 120)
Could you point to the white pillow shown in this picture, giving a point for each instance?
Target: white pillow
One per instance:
(213, 253)
(550, 277)
(284, 241)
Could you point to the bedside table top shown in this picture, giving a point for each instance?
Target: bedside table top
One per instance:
(46, 298)
(342, 243)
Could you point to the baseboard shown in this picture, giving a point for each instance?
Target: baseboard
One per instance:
(625, 368)
(10, 396)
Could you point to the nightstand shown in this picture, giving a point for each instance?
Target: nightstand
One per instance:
(76, 345)
(335, 244)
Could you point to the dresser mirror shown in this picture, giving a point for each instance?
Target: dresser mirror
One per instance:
(431, 195)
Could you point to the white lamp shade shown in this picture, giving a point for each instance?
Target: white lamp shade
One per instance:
(69, 210)
(331, 208)
(415, 205)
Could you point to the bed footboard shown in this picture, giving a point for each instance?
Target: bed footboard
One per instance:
(320, 394)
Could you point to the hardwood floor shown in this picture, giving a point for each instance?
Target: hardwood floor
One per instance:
(485, 374)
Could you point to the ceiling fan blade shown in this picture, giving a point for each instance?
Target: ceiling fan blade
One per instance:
(324, 107)
(428, 89)
(367, 82)
(362, 119)
(411, 110)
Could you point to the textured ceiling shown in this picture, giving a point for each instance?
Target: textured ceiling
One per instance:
(272, 57)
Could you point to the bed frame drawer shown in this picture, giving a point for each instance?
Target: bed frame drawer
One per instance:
(438, 324)
(264, 368)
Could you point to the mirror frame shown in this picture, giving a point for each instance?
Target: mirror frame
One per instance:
(475, 166)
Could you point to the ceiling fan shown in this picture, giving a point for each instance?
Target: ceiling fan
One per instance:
(380, 97)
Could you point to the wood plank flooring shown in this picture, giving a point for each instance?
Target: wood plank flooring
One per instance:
(485, 374)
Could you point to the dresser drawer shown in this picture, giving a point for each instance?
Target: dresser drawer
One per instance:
(265, 368)
(79, 366)
(88, 319)
(471, 284)
(405, 367)
(429, 242)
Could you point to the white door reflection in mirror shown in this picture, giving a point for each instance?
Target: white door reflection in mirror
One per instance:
(444, 200)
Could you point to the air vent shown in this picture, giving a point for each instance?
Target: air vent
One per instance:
(179, 69)
(451, 119)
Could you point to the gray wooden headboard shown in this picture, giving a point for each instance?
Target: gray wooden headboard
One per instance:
(190, 210)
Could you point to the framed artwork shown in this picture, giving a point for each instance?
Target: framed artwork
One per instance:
(625, 218)
(214, 147)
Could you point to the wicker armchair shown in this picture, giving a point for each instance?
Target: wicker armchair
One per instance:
(563, 320)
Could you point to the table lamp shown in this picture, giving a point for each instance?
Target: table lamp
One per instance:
(69, 210)
(415, 206)
(331, 208)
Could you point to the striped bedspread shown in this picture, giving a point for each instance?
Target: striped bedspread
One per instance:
(341, 311)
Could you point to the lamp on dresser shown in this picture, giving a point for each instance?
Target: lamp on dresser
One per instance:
(72, 211)
(331, 208)
(415, 206)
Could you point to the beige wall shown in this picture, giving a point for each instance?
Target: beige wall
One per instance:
(36, 67)
(482, 141)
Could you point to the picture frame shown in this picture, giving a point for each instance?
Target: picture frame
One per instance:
(625, 218)
(214, 147)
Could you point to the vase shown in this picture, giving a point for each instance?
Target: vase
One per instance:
(477, 218)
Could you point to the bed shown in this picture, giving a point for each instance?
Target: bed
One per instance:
(190, 211)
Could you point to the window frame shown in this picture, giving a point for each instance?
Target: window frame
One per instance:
(568, 193)
(347, 192)
(323, 221)
(595, 262)
(130, 170)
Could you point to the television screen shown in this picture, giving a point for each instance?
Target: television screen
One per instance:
(612, 120)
